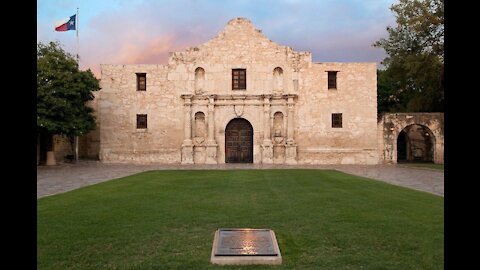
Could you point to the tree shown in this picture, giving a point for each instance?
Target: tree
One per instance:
(387, 98)
(62, 91)
(415, 57)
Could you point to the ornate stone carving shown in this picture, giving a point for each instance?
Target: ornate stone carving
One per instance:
(278, 139)
(238, 110)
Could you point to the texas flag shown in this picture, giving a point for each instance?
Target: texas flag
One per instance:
(67, 24)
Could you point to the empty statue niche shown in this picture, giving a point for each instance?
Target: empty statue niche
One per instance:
(278, 138)
(199, 80)
(200, 127)
(278, 80)
(200, 131)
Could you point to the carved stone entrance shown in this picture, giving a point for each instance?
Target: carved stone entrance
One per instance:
(239, 141)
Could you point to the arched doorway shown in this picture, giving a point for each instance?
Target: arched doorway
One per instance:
(402, 147)
(239, 141)
(415, 143)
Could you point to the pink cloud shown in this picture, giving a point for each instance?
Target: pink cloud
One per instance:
(153, 52)
(128, 40)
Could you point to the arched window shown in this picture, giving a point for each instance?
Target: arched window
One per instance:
(199, 79)
(278, 79)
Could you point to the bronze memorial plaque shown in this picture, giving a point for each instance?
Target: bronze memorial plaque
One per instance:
(245, 242)
(245, 246)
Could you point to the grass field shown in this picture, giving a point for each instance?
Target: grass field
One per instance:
(167, 220)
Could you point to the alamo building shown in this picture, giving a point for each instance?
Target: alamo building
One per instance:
(242, 98)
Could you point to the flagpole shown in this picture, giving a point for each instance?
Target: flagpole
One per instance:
(78, 63)
(76, 28)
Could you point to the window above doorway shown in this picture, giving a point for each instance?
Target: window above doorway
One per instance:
(239, 79)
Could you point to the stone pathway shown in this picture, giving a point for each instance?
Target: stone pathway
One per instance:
(65, 177)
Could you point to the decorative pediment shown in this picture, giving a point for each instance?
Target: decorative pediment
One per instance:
(238, 42)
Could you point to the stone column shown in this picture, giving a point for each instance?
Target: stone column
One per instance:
(291, 147)
(390, 139)
(267, 146)
(187, 145)
(211, 143)
(51, 158)
(295, 81)
(438, 149)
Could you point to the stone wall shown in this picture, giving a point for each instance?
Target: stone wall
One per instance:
(118, 105)
(355, 97)
(89, 144)
(63, 146)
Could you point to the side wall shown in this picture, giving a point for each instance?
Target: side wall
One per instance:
(118, 105)
(63, 146)
(89, 144)
(355, 97)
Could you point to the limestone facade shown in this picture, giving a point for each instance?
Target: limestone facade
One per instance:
(190, 101)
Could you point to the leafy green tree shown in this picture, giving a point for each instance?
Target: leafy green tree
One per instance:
(415, 57)
(387, 98)
(62, 91)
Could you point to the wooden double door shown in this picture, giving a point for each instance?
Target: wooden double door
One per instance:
(239, 141)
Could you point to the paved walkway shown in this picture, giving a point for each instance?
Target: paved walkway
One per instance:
(65, 177)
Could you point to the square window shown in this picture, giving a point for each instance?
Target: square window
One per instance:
(141, 81)
(141, 121)
(332, 79)
(239, 79)
(336, 120)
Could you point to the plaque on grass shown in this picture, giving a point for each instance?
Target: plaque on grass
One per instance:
(245, 246)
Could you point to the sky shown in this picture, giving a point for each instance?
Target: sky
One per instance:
(145, 31)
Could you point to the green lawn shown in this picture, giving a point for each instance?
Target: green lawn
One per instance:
(167, 220)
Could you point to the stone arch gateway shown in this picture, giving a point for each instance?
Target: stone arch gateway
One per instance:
(415, 144)
(395, 126)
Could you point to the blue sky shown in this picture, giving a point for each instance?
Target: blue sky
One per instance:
(144, 31)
